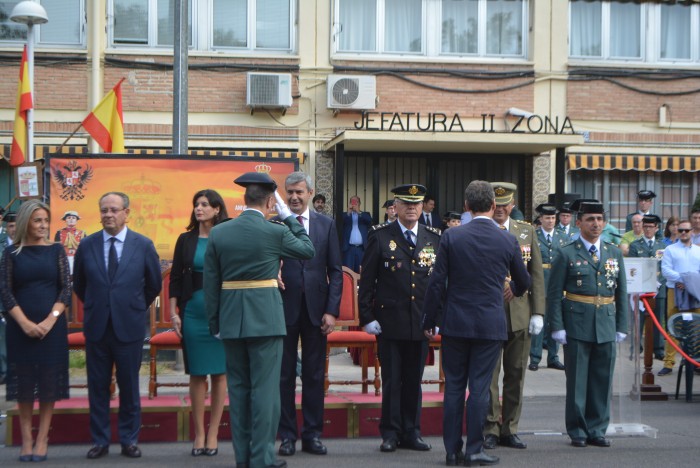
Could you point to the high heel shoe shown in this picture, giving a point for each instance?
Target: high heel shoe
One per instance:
(25, 458)
(196, 452)
(40, 458)
(211, 452)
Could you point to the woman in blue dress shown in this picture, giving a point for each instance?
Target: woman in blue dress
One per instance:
(35, 290)
(204, 354)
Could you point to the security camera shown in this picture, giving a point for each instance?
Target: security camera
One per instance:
(514, 111)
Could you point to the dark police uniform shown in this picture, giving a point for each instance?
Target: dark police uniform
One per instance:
(392, 287)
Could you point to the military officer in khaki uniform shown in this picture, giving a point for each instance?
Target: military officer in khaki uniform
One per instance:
(245, 310)
(396, 266)
(550, 240)
(587, 298)
(525, 317)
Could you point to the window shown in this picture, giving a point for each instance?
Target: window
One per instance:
(64, 29)
(629, 31)
(479, 28)
(237, 25)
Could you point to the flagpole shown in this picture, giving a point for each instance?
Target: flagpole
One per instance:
(58, 150)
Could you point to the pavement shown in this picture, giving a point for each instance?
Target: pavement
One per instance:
(672, 428)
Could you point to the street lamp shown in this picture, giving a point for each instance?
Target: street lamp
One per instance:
(30, 13)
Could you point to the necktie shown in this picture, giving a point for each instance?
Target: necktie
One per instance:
(409, 238)
(300, 218)
(651, 244)
(427, 220)
(593, 252)
(502, 227)
(113, 260)
(549, 239)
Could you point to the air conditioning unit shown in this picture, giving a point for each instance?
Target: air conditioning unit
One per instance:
(269, 90)
(352, 91)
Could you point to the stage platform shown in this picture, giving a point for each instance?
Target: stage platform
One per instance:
(167, 418)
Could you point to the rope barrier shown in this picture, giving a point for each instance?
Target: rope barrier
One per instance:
(650, 313)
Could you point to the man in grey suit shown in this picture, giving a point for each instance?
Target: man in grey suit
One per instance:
(117, 276)
(473, 263)
(311, 291)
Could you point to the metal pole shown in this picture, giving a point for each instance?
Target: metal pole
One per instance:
(30, 112)
(180, 44)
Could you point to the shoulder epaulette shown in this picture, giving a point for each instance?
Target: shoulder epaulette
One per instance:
(522, 222)
(276, 221)
(434, 230)
(377, 227)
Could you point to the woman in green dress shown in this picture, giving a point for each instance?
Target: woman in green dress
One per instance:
(204, 354)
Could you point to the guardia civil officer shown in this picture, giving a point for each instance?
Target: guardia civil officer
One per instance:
(587, 298)
(399, 258)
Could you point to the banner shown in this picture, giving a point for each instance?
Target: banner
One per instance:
(160, 190)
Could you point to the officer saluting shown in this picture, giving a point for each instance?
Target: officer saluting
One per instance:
(587, 298)
(398, 260)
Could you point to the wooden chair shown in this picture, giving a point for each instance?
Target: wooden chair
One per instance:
(163, 336)
(349, 316)
(436, 344)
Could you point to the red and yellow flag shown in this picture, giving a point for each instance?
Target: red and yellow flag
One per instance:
(24, 103)
(106, 122)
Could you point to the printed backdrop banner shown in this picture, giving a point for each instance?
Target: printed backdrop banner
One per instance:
(160, 189)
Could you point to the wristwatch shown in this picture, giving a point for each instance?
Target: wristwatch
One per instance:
(56, 313)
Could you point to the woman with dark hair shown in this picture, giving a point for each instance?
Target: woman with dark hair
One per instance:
(204, 354)
(671, 230)
(35, 290)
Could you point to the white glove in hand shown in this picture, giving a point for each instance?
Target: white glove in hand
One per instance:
(282, 209)
(536, 324)
(619, 337)
(559, 336)
(373, 328)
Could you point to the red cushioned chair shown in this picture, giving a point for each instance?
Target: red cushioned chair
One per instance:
(163, 336)
(349, 316)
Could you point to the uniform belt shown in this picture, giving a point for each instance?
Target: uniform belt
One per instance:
(250, 284)
(595, 300)
(546, 266)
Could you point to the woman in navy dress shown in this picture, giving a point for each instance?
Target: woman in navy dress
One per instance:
(35, 290)
(204, 354)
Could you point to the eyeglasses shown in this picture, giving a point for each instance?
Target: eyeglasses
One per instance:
(684, 230)
(104, 211)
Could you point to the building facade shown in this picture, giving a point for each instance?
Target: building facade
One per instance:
(369, 94)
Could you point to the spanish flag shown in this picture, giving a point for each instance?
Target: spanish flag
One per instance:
(24, 103)
(106, 122)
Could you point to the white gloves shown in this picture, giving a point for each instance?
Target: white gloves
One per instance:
(619, 337)
(536, 324)
(373, 328)
(559, 336)
(281, 207)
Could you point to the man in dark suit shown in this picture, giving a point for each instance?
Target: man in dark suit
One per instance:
(399, 259)
(117, 276)
(429, 216)
(311, 291)
(474, 262)
(356, 224)
(245, 310)
(587, 297)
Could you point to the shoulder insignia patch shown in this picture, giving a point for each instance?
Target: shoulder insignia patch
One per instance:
(433, 229)
(377, 227)
(522, 222)
(276, 222)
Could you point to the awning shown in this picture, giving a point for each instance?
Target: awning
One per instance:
(633, 162)
(456, 142)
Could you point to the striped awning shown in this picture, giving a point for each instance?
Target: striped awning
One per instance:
(633, 162)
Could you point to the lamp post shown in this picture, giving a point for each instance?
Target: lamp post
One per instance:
(30, 13)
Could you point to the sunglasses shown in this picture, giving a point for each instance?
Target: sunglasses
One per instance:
(684, 230)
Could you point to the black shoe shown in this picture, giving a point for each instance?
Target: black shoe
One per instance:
(556, 365)
(512, 441)
(415, 444)
(454, 459)
(480, 459)
(664, 371)
(278, 464)
(533, 367)
(388, 445)
(131, 451)
(211, 452)
(599, 442)
(578, 442)
(490, 441)
(313, 446)
(98, 451)
(287, 448)
(197, 452)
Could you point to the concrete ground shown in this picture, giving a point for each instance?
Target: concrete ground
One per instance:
(676, 423)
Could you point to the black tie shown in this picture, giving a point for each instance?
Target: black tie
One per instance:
(549, 239)
(409, 238)
(651, 244)
(427, 220)
(113, 260)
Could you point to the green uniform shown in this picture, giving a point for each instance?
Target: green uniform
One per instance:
(250, 320)
(590, 326)
(573, 231)
(517, 348)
